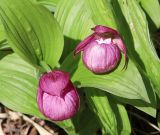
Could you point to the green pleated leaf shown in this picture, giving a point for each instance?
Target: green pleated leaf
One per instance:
(18, 82)
(2, 35)
(3, 41)
(77, 29)
(117, 82)
(18, 88)
(110, 9)
(101, 106)
(124, 126)
(143, 50)
(102, 12)
(84, 120)
(123, 123)
(113, 116)
(32, 31)
(64, 16)
(149, 108)
(50, 4)
(152, 9)
(75, 21)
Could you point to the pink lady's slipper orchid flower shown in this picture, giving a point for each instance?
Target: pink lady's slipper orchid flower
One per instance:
(57, 98)
(101, 50)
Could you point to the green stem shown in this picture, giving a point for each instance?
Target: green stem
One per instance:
(45, 66)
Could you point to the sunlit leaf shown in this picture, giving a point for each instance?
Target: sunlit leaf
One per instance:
(118, 82)
(102, 12)
(100, 104)
(75, 21)
(65, 11)
(32, 31)
(152, 9)
(18, 88)
(50, 4)
(3, 41)
(18, 85)
(143, 50)
(84, 120)
(112, 115)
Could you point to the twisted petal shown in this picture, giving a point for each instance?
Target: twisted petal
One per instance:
(83, 44)
(54, 82)
(119, 42)
(99, 29)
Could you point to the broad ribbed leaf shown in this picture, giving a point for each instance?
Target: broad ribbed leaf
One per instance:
(84, 120)
(144, 52)
(79, 27)
(123, 123)
(101, 16)
(98, 102)
(124, 126)
(32, 31)
(75, 21)
(18, 82)
(152, 9)
(18, 88)
(118, 82)
(50, 4)
(3, 42)
(2, 35)
(113, 116)
(149, 108)
(102, 12)
(141, 105)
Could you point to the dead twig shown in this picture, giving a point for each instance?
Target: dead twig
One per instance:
(154, 133)
(40, 129)
(27, 130)
(3, 115)
(1, 130)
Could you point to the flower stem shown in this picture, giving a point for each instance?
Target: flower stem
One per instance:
(45, 66)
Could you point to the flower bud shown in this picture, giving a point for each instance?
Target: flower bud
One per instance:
(57, 98)
(101, 50)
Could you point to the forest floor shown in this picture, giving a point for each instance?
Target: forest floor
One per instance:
(14, 123)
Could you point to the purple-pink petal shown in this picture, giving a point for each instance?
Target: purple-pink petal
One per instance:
(54, 82)
(99, 29)
(101, 50)
(83, 44)
(57, 106)
(119, 42)
(100, 58)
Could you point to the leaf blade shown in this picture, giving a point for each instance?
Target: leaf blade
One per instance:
(33, 41)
